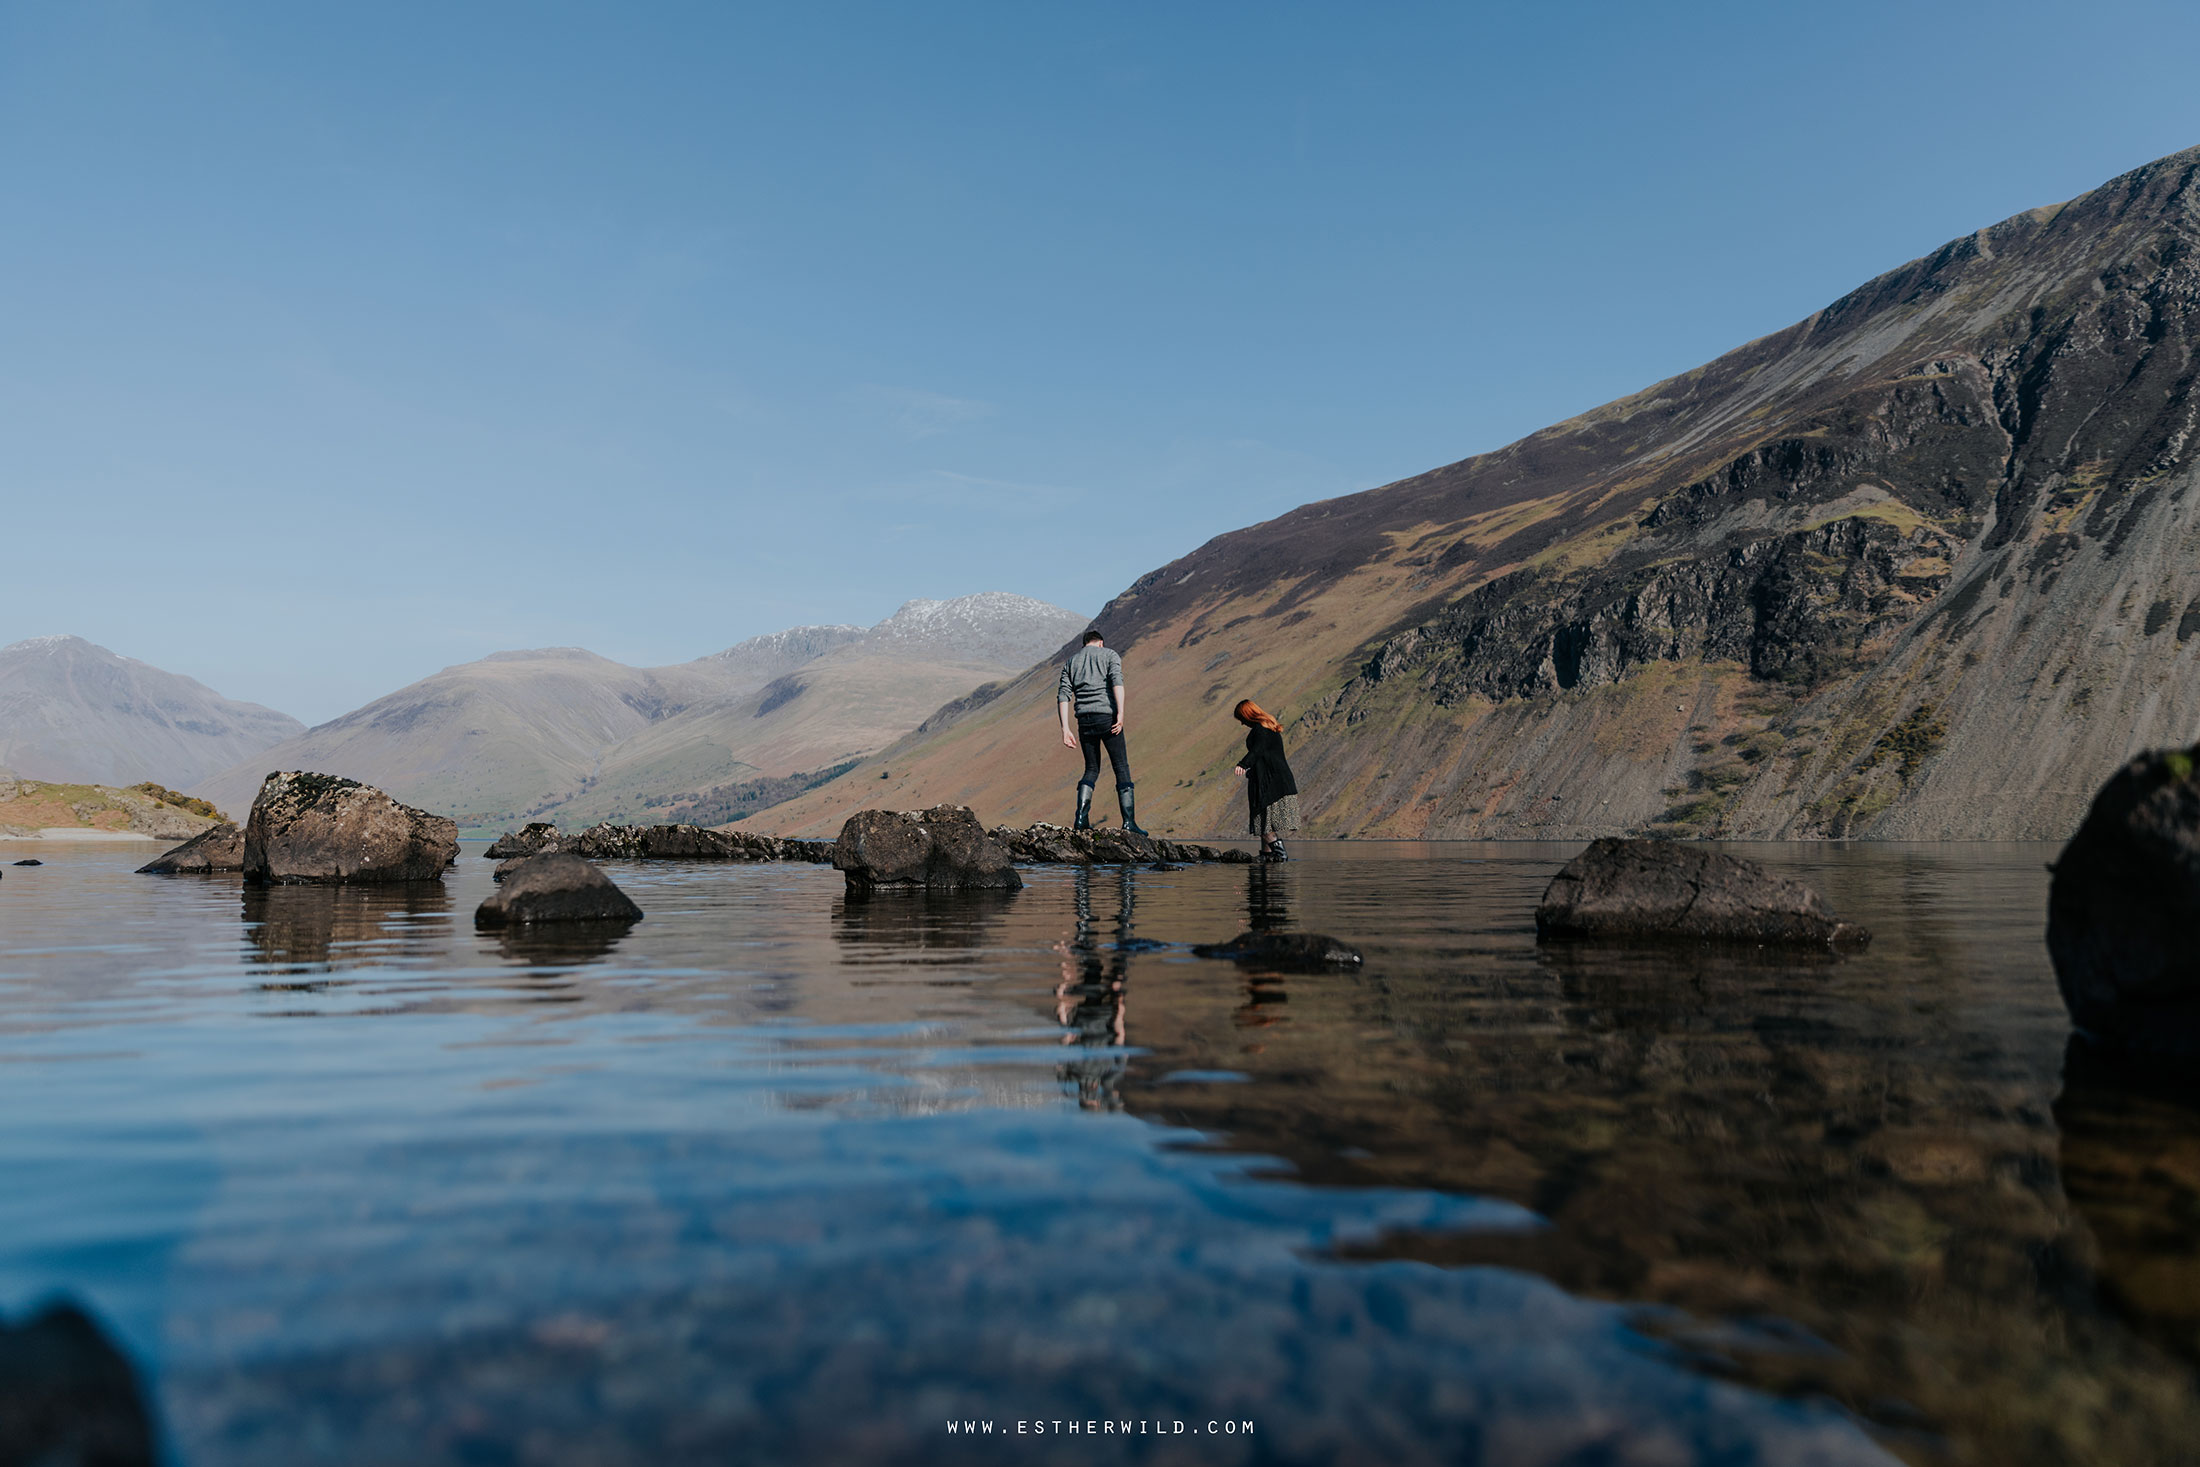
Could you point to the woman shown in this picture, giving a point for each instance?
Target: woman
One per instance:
(1271, 794)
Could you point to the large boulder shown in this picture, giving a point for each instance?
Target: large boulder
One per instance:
(68, 1396)
(2123, 911)
(216, 848)
(1636, 889)
(321, 830)
(555, 888)
(940, 849)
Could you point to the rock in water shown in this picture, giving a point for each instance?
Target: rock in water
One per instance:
(532, 840)
(216, 848)
(1283, 949)
(68, 1396)
(1665, 889)
(319, 829)
(2123, 912)
(940, 849)
(555, 888)
(30, 863)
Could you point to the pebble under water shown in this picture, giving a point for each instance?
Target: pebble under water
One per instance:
(774, 1176)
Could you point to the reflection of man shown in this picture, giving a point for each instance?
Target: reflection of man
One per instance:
(1091, 691)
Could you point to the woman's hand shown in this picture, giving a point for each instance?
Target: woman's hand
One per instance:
(1240, 770)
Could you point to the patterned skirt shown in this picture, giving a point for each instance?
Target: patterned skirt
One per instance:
(1275, 817)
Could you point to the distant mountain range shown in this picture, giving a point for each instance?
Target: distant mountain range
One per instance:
(73, 712)
(1924, 565)
(560, 733)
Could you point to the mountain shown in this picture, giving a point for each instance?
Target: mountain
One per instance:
(483, 740)
(1924, 565)
(856, 697)
(563, 733)
(74, 712)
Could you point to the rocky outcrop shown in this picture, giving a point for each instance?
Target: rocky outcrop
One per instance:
(318, 829)
(940, 849)
(1646, 889)
(2124, 909)
(531, 840)
(555, 888)
(688, 843)
(68, 1396)
(219, 848)
(1284, 950)
(657, 843)
(1044, 844)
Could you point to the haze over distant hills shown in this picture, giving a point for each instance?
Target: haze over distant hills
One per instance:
(564, 734)
(1924, 565)
(74, 712)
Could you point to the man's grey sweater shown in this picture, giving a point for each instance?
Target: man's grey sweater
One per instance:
(1086, 679)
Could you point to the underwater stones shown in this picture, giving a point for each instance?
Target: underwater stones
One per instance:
(1649, 889)
(1283, 950)
(321, 829)
(555, 887)
(68, 1396)
(2124, 908)
(940, 849)
(532, 840)
(216, 848)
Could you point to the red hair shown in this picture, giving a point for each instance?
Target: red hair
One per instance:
(1250, 714)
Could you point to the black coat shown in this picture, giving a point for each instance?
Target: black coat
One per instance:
(1267, 773)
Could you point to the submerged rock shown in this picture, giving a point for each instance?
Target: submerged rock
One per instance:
(555, 888)
(532, 840)
(30, 863)
(320, 829)
(68, 1397)
(940, 849)
(2124, 908)
(217, 848)
(1283, 949)
(1623, 889)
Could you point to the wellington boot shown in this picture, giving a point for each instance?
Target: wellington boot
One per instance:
(1129, 802)
(1084, 808)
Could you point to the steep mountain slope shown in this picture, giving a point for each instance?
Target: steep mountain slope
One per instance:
(563, 733)
(72, 711)
(1926, 564)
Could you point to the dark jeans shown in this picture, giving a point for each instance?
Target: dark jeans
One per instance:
(1092, 737)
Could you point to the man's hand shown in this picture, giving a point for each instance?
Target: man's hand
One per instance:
(1239, 770)
(1069, 739)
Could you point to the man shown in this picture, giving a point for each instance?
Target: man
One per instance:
(1091, 688)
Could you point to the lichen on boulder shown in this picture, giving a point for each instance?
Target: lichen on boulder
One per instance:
(320, 829)
(940, 849)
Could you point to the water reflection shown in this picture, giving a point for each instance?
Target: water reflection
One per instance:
(560, 944)
(1090, 1001)
(1808, 1179)
(919, 926)
(303, 929)
(2130, 1159)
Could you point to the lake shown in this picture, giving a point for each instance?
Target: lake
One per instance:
(775, 1176)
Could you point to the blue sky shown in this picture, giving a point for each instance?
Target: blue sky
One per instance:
(347, 342)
